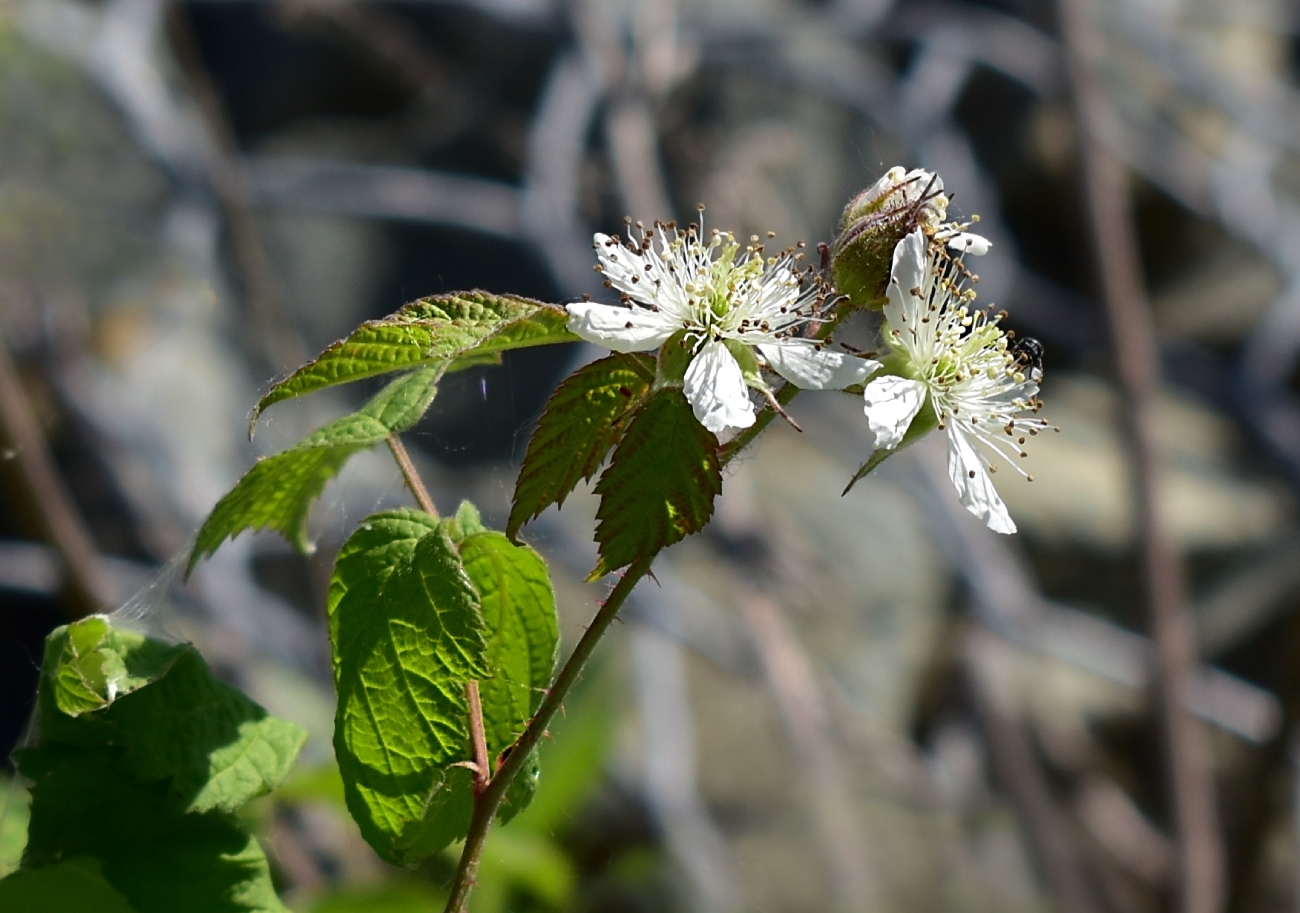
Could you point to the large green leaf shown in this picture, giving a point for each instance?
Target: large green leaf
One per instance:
(143, 758)
(278, 491)
(581, 422)
(75, 885)
(463, 327)
(660, 483)
(407, 637)
(83, 805)
(216, 747)
(208, 743)
(518, 604)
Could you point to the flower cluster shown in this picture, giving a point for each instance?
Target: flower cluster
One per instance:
(735, 311)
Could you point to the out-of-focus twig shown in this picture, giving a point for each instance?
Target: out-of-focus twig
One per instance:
(556, 144)
(669, 778)
(1200, 884)
(1025, 785)
(384, 192)
(1259, 808)
(282, 346)
(798, 696)
(37, 486)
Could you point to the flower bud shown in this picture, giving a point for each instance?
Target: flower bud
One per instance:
(874, 222)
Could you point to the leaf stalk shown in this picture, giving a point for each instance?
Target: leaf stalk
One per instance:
(412, 477)
(487, 802)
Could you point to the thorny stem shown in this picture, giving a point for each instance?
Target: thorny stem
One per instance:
(487, 802)
(412, 477)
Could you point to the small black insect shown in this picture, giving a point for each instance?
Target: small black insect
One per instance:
(1028, 352)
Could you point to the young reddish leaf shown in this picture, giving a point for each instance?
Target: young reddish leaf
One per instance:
(581, 422)
(660, 484)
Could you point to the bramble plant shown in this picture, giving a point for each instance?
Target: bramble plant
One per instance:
(444, 633)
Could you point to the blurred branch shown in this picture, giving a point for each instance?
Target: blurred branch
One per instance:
(275, 335)
(36, 485)
(803, 708)
(556, 145)
(1259, 807)
(1201, 881)
(670, 783)
(1007, 603)
(385, 192)
(1024, 783)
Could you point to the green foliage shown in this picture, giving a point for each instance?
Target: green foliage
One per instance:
(278, 491)
(519, 607)
(160, 861)
(407, 636)
(419, 608)
(401, 896)
(143, 759)
(217, 746)
(14, 814)
(660, 484)
(77, 884)
(583, 419)
(460, 329)
(90, 664)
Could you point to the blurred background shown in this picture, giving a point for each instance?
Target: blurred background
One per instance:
(861, 703)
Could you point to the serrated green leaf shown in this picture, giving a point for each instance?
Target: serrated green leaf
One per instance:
(660, 484)
(208, 742)
(404, 401)
(278, 491)
(216, 747)
(159, 860)
(581, 422)
(407, 636)
(463, 327)
(75, 885)
(518, 605)
(90, 663)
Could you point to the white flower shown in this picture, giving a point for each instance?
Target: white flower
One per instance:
(727, 303)
(957, 360)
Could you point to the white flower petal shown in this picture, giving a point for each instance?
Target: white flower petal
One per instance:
(715, 388)
(974, 487)
(621, 329)
(907, 273)
(800, 362)
(969, 243)
(891, 404)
